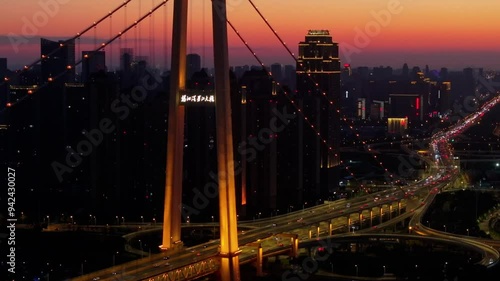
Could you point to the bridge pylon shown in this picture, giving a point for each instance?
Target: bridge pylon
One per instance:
(229, 250)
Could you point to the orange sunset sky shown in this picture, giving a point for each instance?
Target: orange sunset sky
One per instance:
(444, 33)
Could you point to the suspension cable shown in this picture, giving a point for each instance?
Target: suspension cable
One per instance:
(102, 46)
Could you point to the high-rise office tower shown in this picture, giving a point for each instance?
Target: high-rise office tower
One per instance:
(289, 76)
(318, 87)
(93, 62)
(193, 62)
(58, 61)
(3, 68)
(3, 86)
(277, 71)
(259, 173)
(126, 58)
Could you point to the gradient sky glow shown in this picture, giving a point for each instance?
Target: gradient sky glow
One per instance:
(451, 33)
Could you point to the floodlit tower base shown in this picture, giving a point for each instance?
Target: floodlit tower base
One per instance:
(175, 138)
(230, 268)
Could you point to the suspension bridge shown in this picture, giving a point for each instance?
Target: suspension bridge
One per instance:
(226, 257)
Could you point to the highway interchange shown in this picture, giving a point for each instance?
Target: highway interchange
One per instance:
(313, 222)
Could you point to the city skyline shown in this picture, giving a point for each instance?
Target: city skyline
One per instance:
(369, 33)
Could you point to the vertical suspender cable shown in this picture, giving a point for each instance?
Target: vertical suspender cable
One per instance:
(152, 35)
(190, 27)
(165, 33)
(95, 36)
(125, 24)
(110, 47)
(139, 35)
(203, 36)
(78, 52)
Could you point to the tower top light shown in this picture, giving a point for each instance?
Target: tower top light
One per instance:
(316, 32)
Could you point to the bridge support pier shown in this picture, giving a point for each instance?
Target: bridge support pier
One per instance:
(294, 239)
(399, 208)
(349, 223)
(330, 228)
(317, 232)
(360, 220)
(381, 214)
(295, 246)
(310, 234)
(259, 261)
(390, 211)
(371, 217)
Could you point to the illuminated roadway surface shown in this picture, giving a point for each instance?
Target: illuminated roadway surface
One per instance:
(303, 222)
(443, 155)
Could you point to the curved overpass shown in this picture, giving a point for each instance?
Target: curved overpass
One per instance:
(200, 260)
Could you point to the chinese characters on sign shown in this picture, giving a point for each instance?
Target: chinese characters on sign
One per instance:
(192, 99)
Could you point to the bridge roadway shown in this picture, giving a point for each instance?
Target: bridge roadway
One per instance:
(488, 247)
(264, 228)
(201, 260)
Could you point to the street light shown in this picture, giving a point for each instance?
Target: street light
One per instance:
(140, 244)
(409, 230)
(384, 269)
(445, 228)
(214, 227)
(114, 254)
(187, 220)
(142, 219)
(356, 269)
(154, 221)
(467, 232)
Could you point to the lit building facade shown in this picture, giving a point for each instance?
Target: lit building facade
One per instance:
(193, 62)
(93, 62)
(58, 60)
(397, 126)
(318, 87)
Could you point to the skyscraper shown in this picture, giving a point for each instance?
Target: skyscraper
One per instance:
(318, 85)
(259, 173)
(126, 58)
(93, 62)
(193, 62)
(3, 86)
(58, 60)
(277, 71)
(3, 68)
